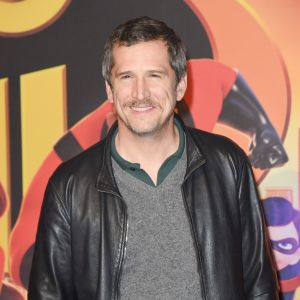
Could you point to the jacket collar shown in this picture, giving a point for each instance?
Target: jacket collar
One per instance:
(195, 156)
(106, 181)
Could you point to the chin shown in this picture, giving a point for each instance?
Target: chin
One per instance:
(145, 129)
(144, 132)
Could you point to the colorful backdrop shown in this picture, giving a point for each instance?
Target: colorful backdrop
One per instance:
(52, 104)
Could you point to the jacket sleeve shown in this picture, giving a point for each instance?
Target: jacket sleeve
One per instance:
(50, 276)
(260, 282)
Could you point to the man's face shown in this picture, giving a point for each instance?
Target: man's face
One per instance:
(285, 244)
(143, 87)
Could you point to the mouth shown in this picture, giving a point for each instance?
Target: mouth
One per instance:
(141, 108)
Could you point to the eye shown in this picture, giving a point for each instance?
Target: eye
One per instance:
(155, 75)
(125, 76)
(285, 246)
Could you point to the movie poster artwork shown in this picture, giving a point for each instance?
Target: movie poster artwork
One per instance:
(243, 74)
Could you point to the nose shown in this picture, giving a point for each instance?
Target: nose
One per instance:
(141, 90)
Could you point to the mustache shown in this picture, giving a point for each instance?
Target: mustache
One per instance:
(141, 103)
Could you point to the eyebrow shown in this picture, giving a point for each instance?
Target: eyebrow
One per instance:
(149, 71)
(157, 71)
(123, 73)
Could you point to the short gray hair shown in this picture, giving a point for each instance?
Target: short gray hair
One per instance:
(144, 29)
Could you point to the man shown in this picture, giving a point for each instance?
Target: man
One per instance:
(155, 210)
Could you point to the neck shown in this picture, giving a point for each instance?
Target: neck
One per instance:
(150, 151)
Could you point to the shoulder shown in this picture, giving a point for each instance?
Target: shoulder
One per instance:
(84, 165)
(217, 148)
(208, 141)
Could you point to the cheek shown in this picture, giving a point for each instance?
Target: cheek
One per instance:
(122, 94)
(163, 94)
(280, 262)
(283, 260)
(161, 86)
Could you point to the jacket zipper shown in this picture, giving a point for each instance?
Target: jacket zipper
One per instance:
(192, 226)
(123, 250)
(123, 243)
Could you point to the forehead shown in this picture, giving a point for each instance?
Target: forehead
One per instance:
(143, 53)
(282, 232)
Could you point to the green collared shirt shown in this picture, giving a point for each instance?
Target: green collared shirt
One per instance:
(134, 168)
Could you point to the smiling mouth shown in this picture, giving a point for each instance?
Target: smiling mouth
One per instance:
(141, 108)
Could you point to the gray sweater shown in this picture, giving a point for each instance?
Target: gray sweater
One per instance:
(160, 261)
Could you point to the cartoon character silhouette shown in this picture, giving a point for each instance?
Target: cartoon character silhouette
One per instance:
(283, 223)
(219, 93)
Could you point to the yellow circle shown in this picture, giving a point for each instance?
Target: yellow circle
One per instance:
(24, 17)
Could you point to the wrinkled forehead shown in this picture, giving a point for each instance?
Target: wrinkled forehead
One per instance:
(152, 54)
(159, 44)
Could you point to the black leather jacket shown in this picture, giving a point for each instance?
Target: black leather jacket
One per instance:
(81, 238)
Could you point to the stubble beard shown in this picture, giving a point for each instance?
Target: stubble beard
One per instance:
(152, 130)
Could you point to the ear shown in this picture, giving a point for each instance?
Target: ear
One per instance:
(109, 92)
(181, 88)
